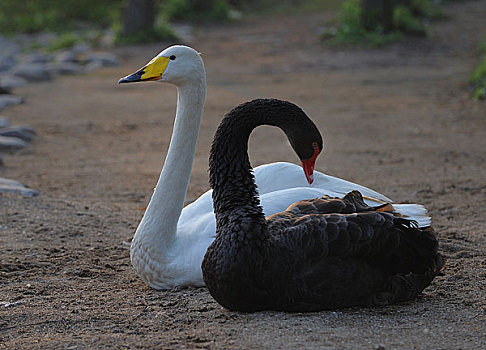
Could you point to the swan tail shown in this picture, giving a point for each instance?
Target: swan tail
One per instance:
(419, 261)
(414, 212)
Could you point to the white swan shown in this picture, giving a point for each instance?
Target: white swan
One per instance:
(170, 242)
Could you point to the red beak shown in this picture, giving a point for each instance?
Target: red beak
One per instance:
(308, 166)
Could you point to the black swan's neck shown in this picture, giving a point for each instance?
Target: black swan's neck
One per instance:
(235, 194)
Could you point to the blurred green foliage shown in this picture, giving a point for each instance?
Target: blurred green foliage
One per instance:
(31, 16)
(350, 30)
(192, 10)
(285, 6)
(405, 21)
(28, 16)
(161, 31)
(407, 18)
(478, 78)
(427, 8)
(64, 41)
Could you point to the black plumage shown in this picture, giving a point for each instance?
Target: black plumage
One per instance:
(319, 254)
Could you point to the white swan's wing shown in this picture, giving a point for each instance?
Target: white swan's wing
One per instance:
(282, 184)
(278, 176)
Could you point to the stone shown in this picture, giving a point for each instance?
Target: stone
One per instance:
(4, 122)
(11, 82)
(68, 68)
(7, 61)
(4, 91)
(36, 57)
(101, 60)
(15, 187)
(9, 100)
(33, 71)
(44, 39)
(81, 48)
(25, 133)
(66, 56)
(12, 144)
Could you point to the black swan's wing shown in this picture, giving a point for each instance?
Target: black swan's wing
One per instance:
(351, 203)
(336, 260)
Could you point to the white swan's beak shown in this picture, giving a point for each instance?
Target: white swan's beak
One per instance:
(150, 72)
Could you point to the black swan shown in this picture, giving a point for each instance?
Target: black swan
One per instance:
(319, 254)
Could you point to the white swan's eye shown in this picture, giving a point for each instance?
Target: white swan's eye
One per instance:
(172, 57)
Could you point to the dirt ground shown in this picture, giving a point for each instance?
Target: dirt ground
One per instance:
(396, 119)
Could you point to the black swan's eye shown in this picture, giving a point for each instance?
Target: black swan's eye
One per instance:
(172, 57)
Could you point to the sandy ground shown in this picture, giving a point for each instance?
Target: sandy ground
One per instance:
(397, 120)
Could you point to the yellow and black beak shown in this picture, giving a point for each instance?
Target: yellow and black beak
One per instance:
(152, 71)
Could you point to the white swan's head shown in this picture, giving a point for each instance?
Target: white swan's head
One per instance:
(177, 65)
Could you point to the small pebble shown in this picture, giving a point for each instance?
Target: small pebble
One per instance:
(22, 132)
(68, 68)
(12, 144)
(36, 57)
(11, 82)
(5, 304)
(15, 187)
(33, 72)
(66, 56)
(9, 100)
(4, 122)
(102, 59)
(7, 61)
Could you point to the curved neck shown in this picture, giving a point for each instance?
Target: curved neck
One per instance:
(165, 206)
(234, 191)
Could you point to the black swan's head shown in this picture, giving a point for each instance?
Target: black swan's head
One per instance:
(307, 143)
(302, 133)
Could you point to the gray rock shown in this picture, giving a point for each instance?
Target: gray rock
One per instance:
(10, 82)
(69, 68)
(9, 46)
(9, 100)
(9, 182)
(44, 39)
(36, 57)
(102, 59)
(15, 187)
(33, 71)
(7, 61)
(81, 48)
(25, 133)
(12, 144)
(4, 122)
(66, 56)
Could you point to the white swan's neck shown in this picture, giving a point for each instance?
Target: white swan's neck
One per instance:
(157, 230)
(167, 200)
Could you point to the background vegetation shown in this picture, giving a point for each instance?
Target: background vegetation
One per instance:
(379, 22)
(371, 22)
(29, 16)
(478, 78)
